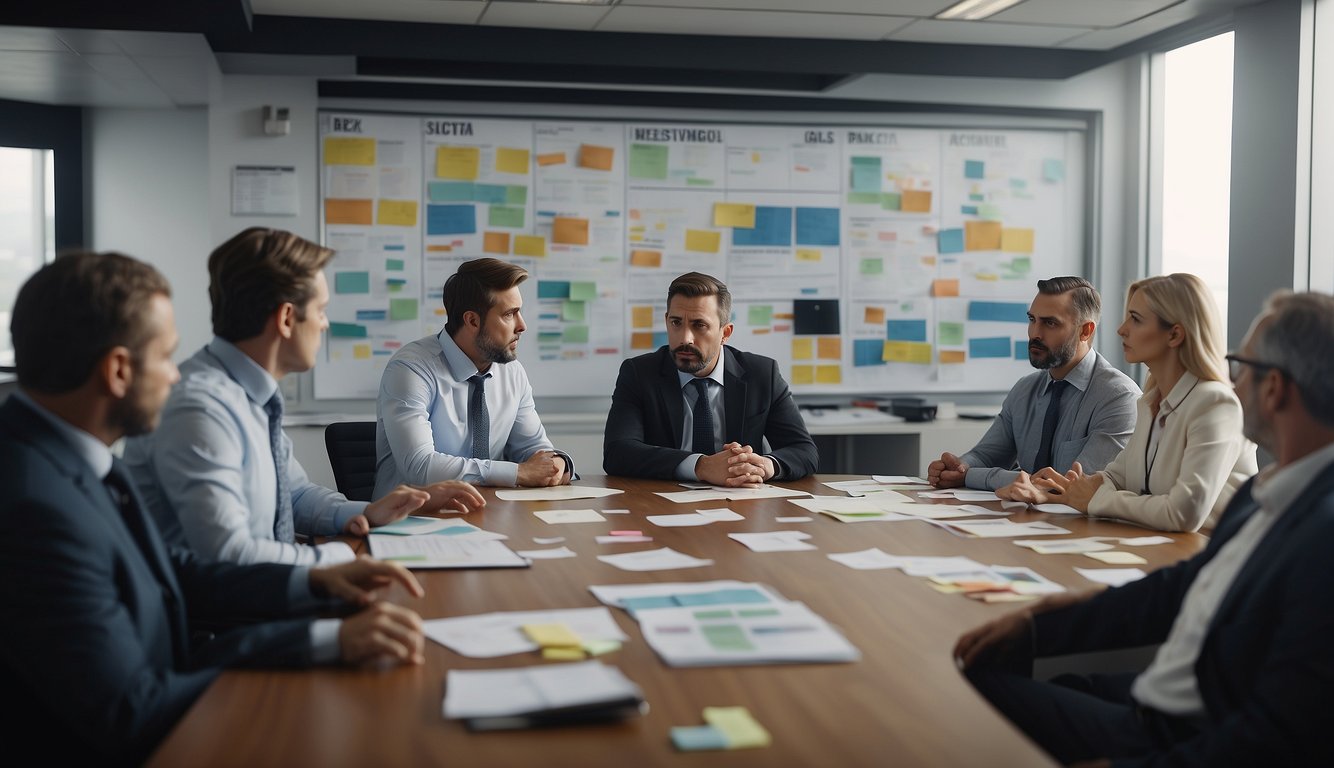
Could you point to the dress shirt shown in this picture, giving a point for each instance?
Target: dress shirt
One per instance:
(422, 435)
(1201, 459)
(1096, 417)
(208, 474)
(686, 469)
(1169, 684)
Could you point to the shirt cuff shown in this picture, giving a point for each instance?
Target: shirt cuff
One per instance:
(298, 587)
(346, 511)
(334, 552)
(569, 464)
(324, 640)
(501, 473)
(780, 471)
(686, 469)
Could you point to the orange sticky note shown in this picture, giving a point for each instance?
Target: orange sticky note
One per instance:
(952, 356)
(803, 348)
(1015, 240)
(875, 315)
(646, 259)
(915, 201)
(944, 287)
(803, 374)
(641, 340)
(551, 158)
(641, 316)
(439, 248)
(828, 374)
(530, 245)
(569, 231)
(496, 242)
(829, 348)
(595, 157)
(981, 235)
(348, 212)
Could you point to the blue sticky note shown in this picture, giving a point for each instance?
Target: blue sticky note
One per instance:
(968, 210)
(659, 338)
(696, 738)
(974, 169)
(352, 282)
(817, 226)
(449, 191)
(1020, 350)
(996, 346)
(633, 604)
(868, 352)
(949, 241)
(722, 597)
(773, 226)
(372, 314)
(553, 289)
(1053, 169)
(905, 330)
(865, 174)
(451, 220)
(998, 311)
(490, 193)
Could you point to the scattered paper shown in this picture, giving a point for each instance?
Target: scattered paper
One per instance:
(677, 594)
(716, 493)
(1056, 509)
(488, 635)
(416, 552)
(664, 559)
(1144, 541)
(687, 520)
(623, 539)
(793, 519)
(556, 493)
(867, 560)
(548, 539)
(1113, 577)
(614, 511)
(547, 554)
(904, 479)
(1066, 546)
(530, 691)
(1001, 528)
(415, 525)
(1117, 558)
(774, 541)
(719, 515)
(555, 516)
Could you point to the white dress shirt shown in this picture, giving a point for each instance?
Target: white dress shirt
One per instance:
(686, 469)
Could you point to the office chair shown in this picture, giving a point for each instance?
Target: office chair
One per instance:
(351, 447)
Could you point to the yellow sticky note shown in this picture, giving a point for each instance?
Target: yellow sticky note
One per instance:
(703, 240)
(551, 158)
(548, 635)
(828, 374)
(511, 160)
(641, 340)
(915, 201)
(734, 215)
(1015, 240)
(397, 213)
(953, 356)
(809, 254)
(496, 242)
(803, 374)
(596, 158)
(803, 348)
(361, 351)
(740, 728)
(981, 235)
(569, 231)
(646, 259)
(641, 316)
(829, 348)
(348, 212)
(348, 151)
(530, 245)
(944, 287)
(457, 162)
(556, 653)
(875, 316)
(907, 352)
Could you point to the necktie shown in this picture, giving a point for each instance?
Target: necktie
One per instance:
(702, 440)
(479, 419)
(1055, 389)
(283, 529)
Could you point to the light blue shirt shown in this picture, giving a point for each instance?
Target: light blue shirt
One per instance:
(208, 474)
(422, 434)
(686, 469)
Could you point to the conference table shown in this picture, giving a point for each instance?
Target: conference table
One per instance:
(903, 703)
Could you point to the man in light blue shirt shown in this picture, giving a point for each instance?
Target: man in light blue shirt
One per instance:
(1075, 408)
(457, 405)
(219, 474)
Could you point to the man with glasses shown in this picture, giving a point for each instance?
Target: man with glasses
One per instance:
(1245, 670)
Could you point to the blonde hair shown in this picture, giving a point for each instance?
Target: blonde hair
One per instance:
(1183, 299)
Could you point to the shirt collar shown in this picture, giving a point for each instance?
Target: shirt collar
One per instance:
(716, 375)
(94, 452)
(461, 367)
(1178, 394)
(1277, 488)
(258, 384)
(1079, 376)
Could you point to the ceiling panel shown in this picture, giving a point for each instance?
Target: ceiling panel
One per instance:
(56, 78)
(162, 43)
(433, 11)
(1082, 13)
(31, 39)
(543, 15)
(742, 23)
(1106, 39)
(865, 7)
(184, 80)
(983, 33)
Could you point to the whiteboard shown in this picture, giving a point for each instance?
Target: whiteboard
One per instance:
(864, 259)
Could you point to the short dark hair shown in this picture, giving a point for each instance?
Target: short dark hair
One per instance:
(1084, 298)
(474, 286)
(253, 274)
(694, 285)
(73, 311)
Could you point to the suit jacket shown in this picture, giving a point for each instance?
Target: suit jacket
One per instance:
(96, 650)
(1266, 667)
(648, 414)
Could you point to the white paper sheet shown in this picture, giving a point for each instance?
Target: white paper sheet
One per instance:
(558, 516)
(623, 539)
(774, 541)
(556, 553)
(419, 552)
(794, 519)
(613, 594)
(1112, 577)
(867, 560)
(1001, 528)
(687, 520)
(488, 635)
(1056, 509)
(1117, 558)
(556, 493)
(713, 635)
(479, 693)
(664, 559)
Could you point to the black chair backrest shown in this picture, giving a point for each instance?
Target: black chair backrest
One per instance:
(351, 446)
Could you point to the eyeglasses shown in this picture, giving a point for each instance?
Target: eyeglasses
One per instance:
(1235, 362)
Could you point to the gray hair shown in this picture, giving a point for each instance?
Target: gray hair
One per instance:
(1298, 339)
(1084, 299)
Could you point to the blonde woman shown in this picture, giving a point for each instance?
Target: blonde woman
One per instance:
(1187, 455)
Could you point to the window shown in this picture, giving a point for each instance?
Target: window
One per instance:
(27, 226)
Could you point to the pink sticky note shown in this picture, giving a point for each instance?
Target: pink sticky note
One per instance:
(627, 533)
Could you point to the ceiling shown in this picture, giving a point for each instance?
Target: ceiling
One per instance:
(162, 53)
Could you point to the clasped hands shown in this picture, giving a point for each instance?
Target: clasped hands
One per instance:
(1074, 488)
(735, 466)
(444, 496)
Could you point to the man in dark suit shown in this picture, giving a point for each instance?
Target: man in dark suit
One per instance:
(103, 651)
(1245, 672)
(697, 410)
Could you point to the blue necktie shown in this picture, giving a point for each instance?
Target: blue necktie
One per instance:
(1055, 389)
(479, 419)
(702, 440)
(283, 529)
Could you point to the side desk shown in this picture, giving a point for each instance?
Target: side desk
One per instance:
(904, 703)
(867, 441)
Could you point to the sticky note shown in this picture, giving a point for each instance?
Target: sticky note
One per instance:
(647, 259)
(907, 352)
(697, 738)
(492, 194)
(982, 235)
(530, 245)
(864, 198)
(553, 289)
(891, 201)
(829, 348)
(551, 158)
(803, 348)
(402, 309)
(648, 161)
(949, 241)
(516, 194)
(867, 352)
(510, 160)
(556, 653)
(457, 163)
(450, 191)
(997, 346)
(871, 266)
(361, 351)
(974, 169)
(865, 176)
(641, 316)
(347, 212)
(601, 647)
(949, 333)
(1020, 349)
(828, 374)
(1053, 169)
(641, 340)
(734, 215)
(451, 219)
(595, 157)
(569, 231)
(759, 314)
(906, 330)
(809, 254)
(998, 311)
(817, 226)
(548, 635)
(393, 265)
(397, 213)
(989, 211)
(739, 726)
(952, 356)
(496, 242)
(352, 282)
(348, 151)
(574, 334)
(504, 216)
(1016, 240)
(573, 311)
(803, 374)
(916, 201)
(773, 227)
(945, 287)
(583, 290)
(874, 315)
(347, 331)
(703, 240)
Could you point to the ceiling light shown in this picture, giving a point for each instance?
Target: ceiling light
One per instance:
(973, 10)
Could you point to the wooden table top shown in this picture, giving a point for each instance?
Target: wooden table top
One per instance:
(904, 703)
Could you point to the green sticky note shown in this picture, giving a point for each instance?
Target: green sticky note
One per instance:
(864, 198)
(726, 637)
(393, 265)
(573, 311)
(450, 191)
(891, 201)
(648, 161)
(1018, 183)
(352, 282)
(713, 614)
(347, 331)
(977, 197)
(516, 194)
(402, 309)
(759, 314)
(695, 181)
(873, 266)
(584, 291)
(395, 287)
(575, 334)
(1022, 264)
(949, 333)
(989, 211)
(755, 613)
(505, 216)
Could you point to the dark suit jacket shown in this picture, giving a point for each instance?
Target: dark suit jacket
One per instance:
(96, 650)
(1266, 669)
(648, 414)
